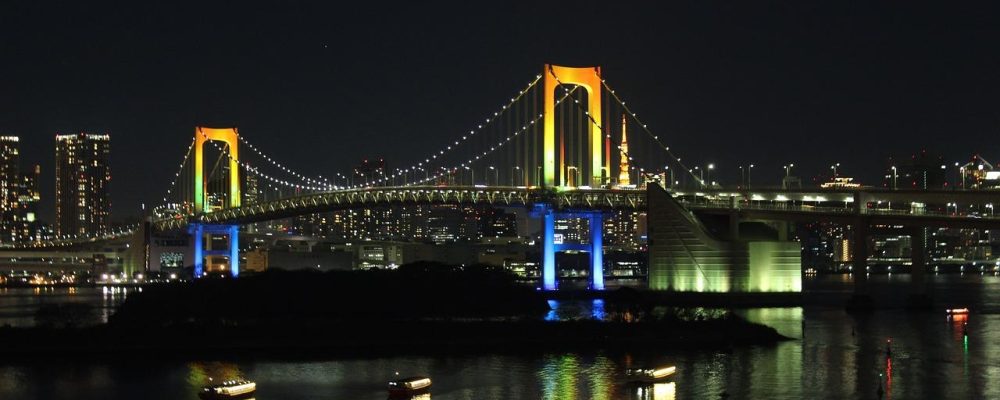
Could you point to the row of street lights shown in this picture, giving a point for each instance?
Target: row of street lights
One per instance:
(704, 175)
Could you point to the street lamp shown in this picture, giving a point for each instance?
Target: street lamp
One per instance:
(472, 172)
(710, 168)
(961, 171)
(834, 168)
(496, 176)
(701, 174)
(894, 175)
(512, 175)
(788, 169)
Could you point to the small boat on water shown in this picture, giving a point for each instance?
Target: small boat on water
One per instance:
(409, 386)
(956, 311)
(649, 375)
(232, 389)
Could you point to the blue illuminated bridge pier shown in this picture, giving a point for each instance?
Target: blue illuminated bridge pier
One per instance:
(563, 146)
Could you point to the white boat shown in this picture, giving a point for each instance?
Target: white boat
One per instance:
(648, 375)
(233, 389)
(409, 386)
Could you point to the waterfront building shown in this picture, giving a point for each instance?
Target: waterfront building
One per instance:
(19, 195)
(9, 174)
(83, 177)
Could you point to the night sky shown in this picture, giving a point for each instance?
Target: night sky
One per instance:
(321, 86)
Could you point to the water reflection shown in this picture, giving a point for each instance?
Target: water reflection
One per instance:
(201, 374)
(658, 391)
(422, 396)
(558, 377)
(833, 355)
(597, 309)
(553, 314)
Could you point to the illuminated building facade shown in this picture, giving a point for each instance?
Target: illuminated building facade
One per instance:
(438, 223)
(622, 228)
(9, 159)
(495, 223)
(18, 195)
(27, 226)
(83, 178)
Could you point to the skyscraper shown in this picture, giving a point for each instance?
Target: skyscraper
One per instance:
(18, 195)
(27, 226)
(9, 177)
(83, 201)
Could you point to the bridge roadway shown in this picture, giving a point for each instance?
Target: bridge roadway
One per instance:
(973, 209)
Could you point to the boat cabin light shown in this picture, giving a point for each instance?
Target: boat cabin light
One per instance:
(663, 372)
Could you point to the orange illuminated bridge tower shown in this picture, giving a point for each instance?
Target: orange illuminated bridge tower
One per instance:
(589, 78)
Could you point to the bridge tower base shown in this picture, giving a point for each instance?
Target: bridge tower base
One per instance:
(861, 300)
(919, 297)
(198, 232)
(549, 247)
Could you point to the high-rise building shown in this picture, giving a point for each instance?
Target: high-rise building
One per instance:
(83, 177)
(621, 228)
(27, 225)
(9, 177)
(18, 195)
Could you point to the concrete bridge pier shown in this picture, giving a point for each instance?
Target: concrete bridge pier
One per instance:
(861, 299)
(595, 248)
(204, 249)
(919, 296)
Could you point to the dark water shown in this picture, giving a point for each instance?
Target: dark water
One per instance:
(841, 356)
(18, 306)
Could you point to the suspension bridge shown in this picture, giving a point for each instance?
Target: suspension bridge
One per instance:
(550, 149)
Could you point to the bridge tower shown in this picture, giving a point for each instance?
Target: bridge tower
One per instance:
(588, 78)
(197, 230)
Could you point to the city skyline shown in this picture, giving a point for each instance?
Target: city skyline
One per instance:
(314, 76)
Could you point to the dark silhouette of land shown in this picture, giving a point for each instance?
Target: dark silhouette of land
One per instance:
(419, 308)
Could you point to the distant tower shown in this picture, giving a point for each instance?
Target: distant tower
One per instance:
(623, 166)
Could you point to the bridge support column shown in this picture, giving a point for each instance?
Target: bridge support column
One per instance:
(734, 225)
(548, 249)
(204, 249)
(859, 262)
(595, 220)
(197, 231)
(234, 250)
(597, 250)
(919, 298)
